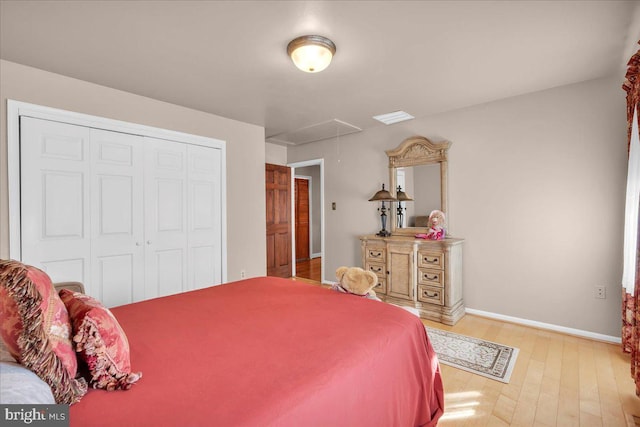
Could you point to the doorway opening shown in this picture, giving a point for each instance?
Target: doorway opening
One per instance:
(307, 210)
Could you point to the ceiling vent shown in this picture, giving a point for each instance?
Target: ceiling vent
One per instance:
(395, 117)
(318, 132)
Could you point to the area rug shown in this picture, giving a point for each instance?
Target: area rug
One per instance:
(486, 358)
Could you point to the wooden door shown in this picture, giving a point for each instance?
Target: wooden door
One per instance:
(302, 219)
(278, 203)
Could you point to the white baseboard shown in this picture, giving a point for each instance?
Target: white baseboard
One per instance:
(548, 326)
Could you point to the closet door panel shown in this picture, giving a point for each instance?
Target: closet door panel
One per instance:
(116, 277)
(62, 207)
(55, 202)
(170, 268)
(204, 271)
(117, 217)
(204, 208)
(131, 217)
(170, 197)
(165, 200)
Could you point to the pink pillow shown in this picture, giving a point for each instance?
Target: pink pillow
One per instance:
(100, 342)
(34, 325)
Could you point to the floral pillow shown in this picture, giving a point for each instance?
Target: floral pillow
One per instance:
(35, 327)
(100, 342)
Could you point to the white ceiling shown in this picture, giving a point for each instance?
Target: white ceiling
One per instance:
(229, 58)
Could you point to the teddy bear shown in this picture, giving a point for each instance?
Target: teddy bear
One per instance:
(356, 281)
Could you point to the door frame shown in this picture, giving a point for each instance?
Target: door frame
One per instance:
(293, 166)
(15, 109)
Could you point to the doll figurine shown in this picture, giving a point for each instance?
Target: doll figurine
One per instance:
(436, 226)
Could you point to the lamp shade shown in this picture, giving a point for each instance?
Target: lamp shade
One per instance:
(382, 196)
(402, 196)
(311, 54)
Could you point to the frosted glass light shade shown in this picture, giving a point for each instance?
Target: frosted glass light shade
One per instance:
(311, 54)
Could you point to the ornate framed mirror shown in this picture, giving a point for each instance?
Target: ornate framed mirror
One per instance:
(417, 168)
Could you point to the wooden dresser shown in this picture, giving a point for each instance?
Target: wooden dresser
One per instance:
(421, 274)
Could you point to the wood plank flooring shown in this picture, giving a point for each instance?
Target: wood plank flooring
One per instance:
(309, 269)
(559, 380)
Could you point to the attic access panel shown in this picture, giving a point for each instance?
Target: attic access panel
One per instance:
(317, 132)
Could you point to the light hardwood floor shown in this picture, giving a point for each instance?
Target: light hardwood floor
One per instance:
(559, 380)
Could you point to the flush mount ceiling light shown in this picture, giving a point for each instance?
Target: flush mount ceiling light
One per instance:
(311, 54)
(395, 117)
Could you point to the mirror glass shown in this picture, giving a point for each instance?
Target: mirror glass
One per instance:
(419, 166)
(422, 184)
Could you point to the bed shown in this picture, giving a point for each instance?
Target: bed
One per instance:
(271, 352)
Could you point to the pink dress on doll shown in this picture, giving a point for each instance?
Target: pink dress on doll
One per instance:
(437, 233)
(432, 234)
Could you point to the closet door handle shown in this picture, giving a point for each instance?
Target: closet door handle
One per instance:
(148, 242)
(138, 244)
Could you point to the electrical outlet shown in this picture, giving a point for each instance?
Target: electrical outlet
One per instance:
(243, 274)
(601, 292)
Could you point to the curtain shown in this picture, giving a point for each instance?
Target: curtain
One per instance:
(631, 254)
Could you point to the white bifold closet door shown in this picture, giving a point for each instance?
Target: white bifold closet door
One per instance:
(55, 198)
(183, 223)
(131, 217)
(116, 216)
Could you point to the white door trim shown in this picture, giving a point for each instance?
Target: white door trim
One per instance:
(15, 109)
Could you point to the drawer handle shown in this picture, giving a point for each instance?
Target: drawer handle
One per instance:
(435, 277)
(431, 294)
(375, 254)
(432, 260)
(378, 285)
(376, 270)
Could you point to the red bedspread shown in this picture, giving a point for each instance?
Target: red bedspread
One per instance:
(271, 352)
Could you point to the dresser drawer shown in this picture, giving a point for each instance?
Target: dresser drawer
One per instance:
(431, 295)
(381, 287)
(431, 259)
(431, 277)
(377, 268)
(376, 254)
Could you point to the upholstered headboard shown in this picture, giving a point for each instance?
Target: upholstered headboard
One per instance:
(72, 286)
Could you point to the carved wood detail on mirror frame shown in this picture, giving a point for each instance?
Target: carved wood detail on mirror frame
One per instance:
(417, 151)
